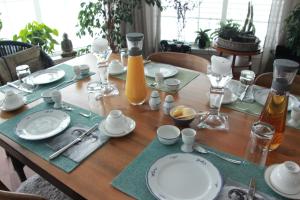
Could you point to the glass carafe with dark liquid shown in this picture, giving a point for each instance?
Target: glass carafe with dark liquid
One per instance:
(275, 108)
(135, 88)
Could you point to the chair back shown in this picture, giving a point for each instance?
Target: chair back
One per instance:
(14, 53)
(265, 80)
(183, 60)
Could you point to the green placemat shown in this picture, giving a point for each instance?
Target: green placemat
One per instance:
(184, 76)
(65, 81)
(252, 109)
(40, 147)
(132, 179)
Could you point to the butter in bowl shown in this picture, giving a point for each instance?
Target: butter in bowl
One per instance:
(182, 115)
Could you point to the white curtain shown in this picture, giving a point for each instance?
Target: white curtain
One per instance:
(147, 21)
(275, 32)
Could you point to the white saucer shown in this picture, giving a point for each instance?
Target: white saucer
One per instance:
(229, 97)
(124, 69)
(267, 179)
(12, 107)
(130, 128)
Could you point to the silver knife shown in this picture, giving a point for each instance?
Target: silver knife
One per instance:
(18, 87)
(78, 139)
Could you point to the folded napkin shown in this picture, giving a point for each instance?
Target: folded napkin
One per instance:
(81, 150)
(220, 65)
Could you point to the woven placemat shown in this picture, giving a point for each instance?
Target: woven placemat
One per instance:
(132, 179)
(40, 147)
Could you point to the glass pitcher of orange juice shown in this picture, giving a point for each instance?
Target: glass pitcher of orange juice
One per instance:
(135, 88)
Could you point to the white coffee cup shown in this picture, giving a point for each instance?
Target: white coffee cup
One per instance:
(115, 67)
(12, 100)
(116, 122)
(286, 177)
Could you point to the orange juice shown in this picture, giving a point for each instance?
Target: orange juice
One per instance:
(135, 88)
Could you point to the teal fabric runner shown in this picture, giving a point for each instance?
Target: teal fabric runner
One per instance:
(132, 179)
(253, 109)
(69, 75)
(184, 76)
(40, 147)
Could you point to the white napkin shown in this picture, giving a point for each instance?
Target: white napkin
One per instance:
(99, 45)
(220, 65)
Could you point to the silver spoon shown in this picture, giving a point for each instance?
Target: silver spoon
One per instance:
(200, 149)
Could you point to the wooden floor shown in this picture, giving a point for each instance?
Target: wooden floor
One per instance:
(7, 174)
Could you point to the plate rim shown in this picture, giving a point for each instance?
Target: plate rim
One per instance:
(157, 65)
(105, 132)
(184, 154)
(47, 136)
(33, 75)
(267, 174)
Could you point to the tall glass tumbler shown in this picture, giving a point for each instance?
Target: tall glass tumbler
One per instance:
(260, 140)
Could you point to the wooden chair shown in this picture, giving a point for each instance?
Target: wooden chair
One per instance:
(35, 188)
(265, 80)
(183, 60)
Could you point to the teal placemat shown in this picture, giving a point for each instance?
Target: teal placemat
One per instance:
(252, 109)
(184, 76)
(69, 75)
(40, 147)
(132, 179)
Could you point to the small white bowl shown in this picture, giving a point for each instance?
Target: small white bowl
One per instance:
(172, 84)
(168, 134)
(286, 177)
(47, 96)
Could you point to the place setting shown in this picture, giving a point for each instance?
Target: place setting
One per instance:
(175, 166)
(32, 85)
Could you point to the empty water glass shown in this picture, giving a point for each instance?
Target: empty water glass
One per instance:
(23, 72)
(124, 57)
(246, 87)
(258, 146)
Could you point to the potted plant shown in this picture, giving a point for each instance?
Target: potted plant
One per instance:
(292, 26)
(202, 38)
(231, 36)
(104, 17)
(38, 34)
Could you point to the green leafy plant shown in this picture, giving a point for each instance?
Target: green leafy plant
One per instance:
(228, 30)
(1, 25)
(292, 27)
(202, 38)
(104, 17)
(38, 34)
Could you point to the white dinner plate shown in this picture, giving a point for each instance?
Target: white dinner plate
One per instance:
(261, 96)
(42, 124)
(166, 70)
(47, 76)
(183, 176)
(124, 69)
(268, 172)
(130, 128)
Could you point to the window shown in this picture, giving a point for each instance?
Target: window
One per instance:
(59, 14)
(209, 13)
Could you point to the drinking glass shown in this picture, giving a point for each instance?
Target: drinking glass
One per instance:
(124, 57)
(246, 87)
(95, 102)
(260, 140)
(23, 72)
(102, 52)
(214, 119)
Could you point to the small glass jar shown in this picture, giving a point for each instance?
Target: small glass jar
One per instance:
(258, 146)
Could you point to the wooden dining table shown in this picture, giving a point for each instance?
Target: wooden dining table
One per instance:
(92, 178)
